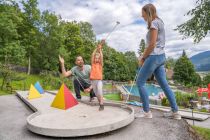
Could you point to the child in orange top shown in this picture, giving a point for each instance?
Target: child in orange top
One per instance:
(96, 75)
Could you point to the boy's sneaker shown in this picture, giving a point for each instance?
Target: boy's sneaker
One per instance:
(143, 114)
(101, 107)
(172, 115)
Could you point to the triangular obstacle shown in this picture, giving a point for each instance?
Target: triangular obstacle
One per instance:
(64, 99)
(39, 87)
(33, 93)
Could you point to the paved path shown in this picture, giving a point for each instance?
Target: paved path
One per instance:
(205, 124)
(81, 120)
(13, 114)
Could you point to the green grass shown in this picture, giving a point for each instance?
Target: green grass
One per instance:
(205, 132)
(22, 84)
(110, 96)
(30, 79)
(3, 92)
(114, 97)
(107, 86)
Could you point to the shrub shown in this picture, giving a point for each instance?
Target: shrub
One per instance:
(53, 81)
(182, 99)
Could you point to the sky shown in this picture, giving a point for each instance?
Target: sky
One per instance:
(103, 15)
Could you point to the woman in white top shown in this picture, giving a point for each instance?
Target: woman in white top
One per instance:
(152, 62)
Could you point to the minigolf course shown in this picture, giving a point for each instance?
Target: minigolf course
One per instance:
(60, 115)
(33, 93)
(64, 99)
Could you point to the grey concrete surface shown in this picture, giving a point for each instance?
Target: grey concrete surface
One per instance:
(13, 114)
(204, 124)
(80, 120)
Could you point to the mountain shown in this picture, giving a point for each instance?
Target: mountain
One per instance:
(201, 61)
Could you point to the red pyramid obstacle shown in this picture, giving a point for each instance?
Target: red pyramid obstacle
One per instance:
(64, 98)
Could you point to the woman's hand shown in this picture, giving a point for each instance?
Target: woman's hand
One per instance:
(141, 61)
(61, 59)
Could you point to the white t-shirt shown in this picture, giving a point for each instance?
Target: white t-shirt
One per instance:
(160, 43)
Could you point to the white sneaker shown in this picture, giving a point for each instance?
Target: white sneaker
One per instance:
(143, 114)
(172, 115)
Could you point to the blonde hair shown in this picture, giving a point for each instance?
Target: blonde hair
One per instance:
(150, 11)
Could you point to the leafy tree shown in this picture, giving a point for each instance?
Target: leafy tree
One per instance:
(30, 29)
(116, 65)
(73, 44)
(183, 53)
(170, 63)
(86, 31)
(50, 42)
(198, 26)
(206, 80)
(132, 63)
(184, 72)
(10, 17)
(88, 38)
(141, 47)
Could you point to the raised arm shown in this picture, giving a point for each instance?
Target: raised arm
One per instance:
(64, 72)
(100, 51)
(101, 56)
(93, 55)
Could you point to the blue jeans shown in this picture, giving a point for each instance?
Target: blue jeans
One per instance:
(154, 64)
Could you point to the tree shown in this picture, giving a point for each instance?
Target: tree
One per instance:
(184, 72)
(11, 20)
(73, 44)
(199, 25)
(170, 63)
(119, 66)
(141, 47)
(132, 63)
(30, 29)
(88, 38)
(184, 53)
(50, 41)
(86, 31)
(206, 80)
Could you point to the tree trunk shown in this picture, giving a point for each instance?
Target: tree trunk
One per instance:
(29, 65)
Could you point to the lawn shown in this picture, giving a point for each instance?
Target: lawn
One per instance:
(205, 132)
(23, 82)
(113, 96)
(108, 86)
(110, 96)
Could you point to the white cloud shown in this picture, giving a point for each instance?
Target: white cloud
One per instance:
(103, 15)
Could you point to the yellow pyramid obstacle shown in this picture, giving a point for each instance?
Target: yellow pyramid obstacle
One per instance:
(33, 93)
(64, 99)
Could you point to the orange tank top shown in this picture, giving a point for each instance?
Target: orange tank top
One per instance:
(96, 72)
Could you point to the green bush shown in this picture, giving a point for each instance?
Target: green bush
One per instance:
(182, 99)
(53, 81)
(206, 80)
(165, 102)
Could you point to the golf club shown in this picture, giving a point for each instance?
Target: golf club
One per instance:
(117, 23)
(134, 81)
